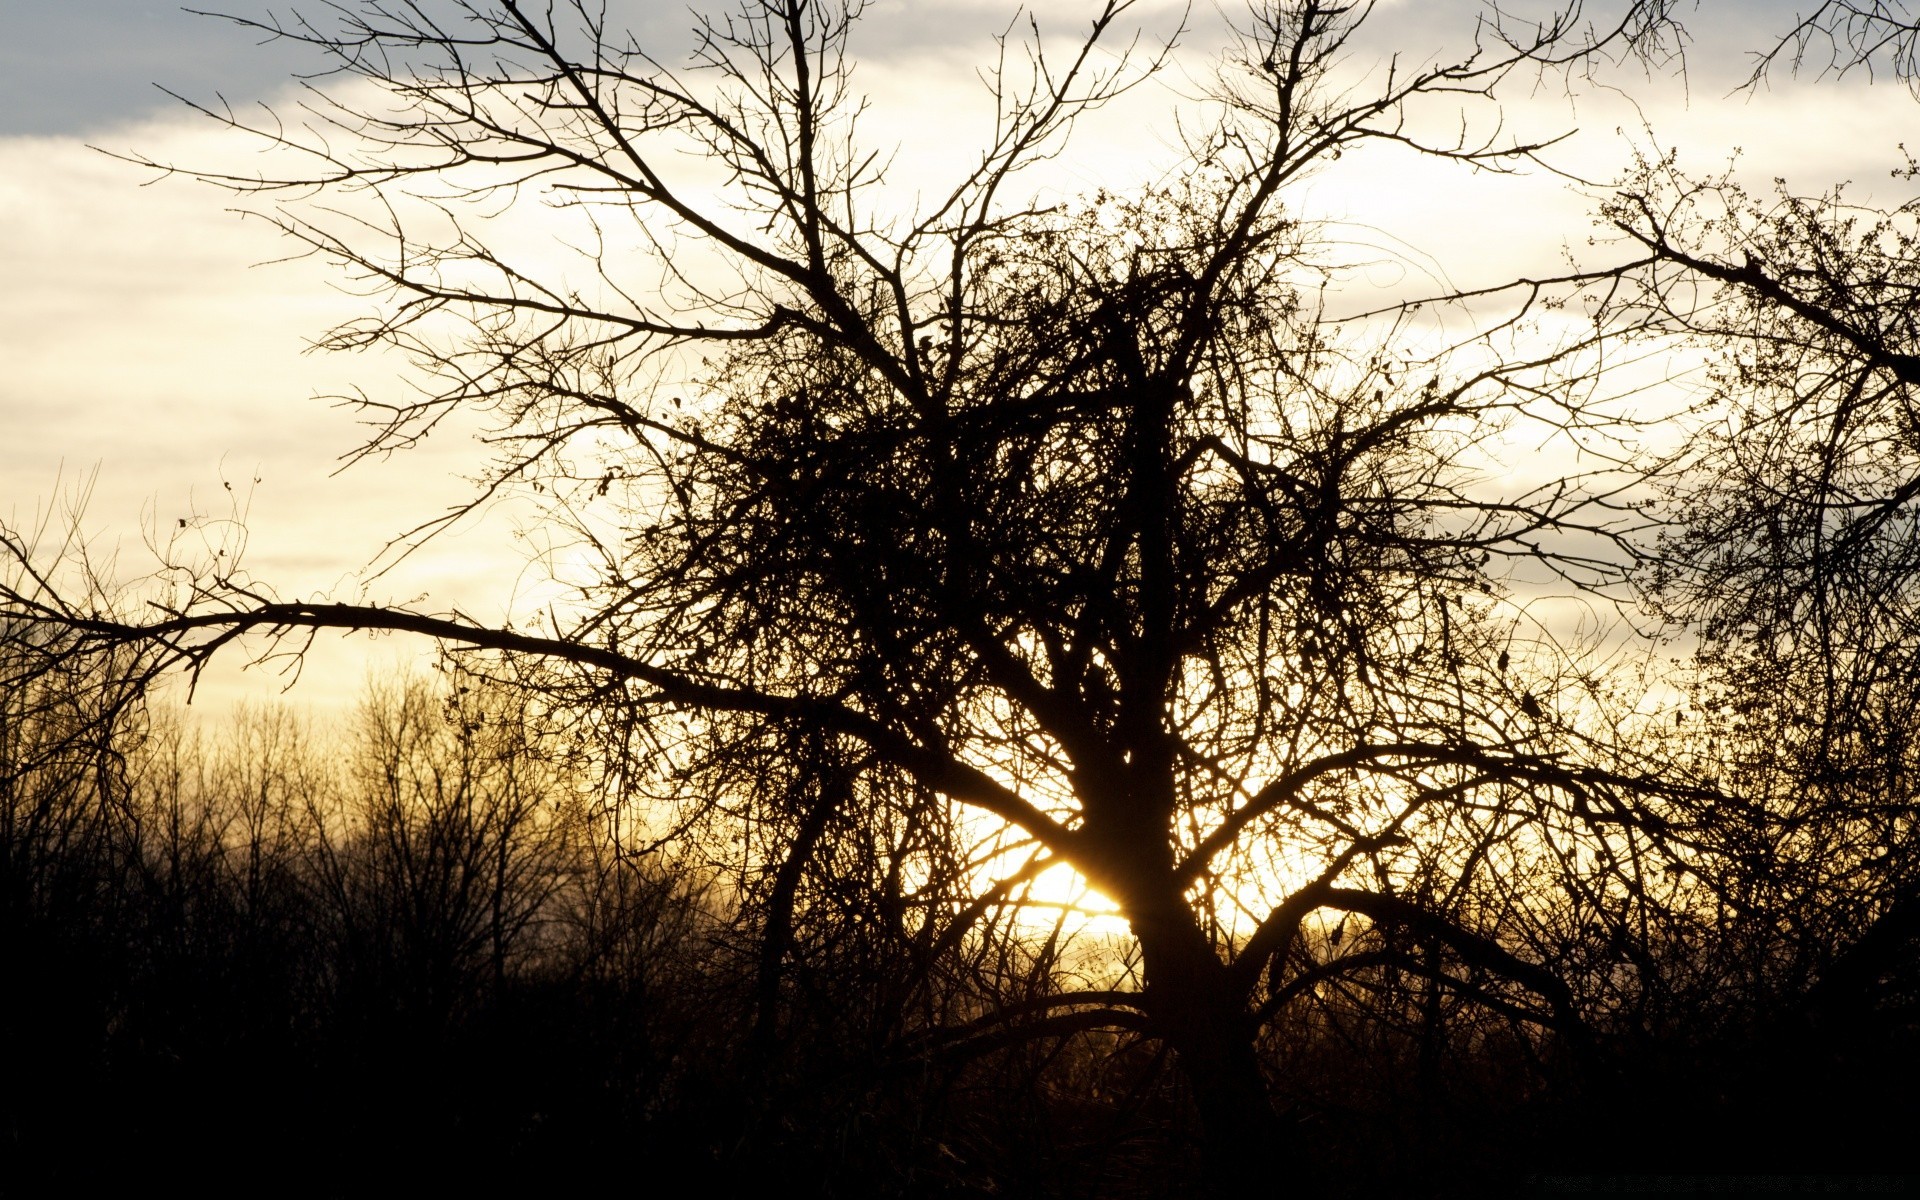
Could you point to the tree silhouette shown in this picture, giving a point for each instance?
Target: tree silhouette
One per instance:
(1790, 551)
(960, 543)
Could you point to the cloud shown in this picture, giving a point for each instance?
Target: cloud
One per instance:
(72, 68)
(143, 338)
(147, 343)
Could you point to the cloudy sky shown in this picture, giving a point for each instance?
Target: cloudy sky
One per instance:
(153, 347)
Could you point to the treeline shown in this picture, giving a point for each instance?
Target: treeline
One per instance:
(262, 947)
(272, 956)
(265, 955)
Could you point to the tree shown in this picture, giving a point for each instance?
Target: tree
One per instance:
(444, 854)
(1005, 536)
(1790, 551)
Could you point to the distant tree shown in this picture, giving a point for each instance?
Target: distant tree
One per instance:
(934, 549)
(443, 851)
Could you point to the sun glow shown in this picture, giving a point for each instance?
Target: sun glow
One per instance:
(1060, 898)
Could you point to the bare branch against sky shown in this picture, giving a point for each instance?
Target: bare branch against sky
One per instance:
(146, 301)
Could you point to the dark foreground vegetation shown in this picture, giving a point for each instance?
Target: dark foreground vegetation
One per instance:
(915, 557)
(418, 953)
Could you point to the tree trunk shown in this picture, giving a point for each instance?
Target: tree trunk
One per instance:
(1250, 1149)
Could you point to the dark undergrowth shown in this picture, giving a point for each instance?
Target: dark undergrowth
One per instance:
(229, 969)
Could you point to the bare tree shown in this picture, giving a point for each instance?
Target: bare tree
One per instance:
(1791, 552)
(442, 853)
(955, 544)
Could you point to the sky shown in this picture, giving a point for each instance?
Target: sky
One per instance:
(157, 355)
